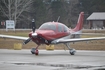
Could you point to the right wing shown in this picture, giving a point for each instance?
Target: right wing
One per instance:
(14, 37)
(76, 40)
(92, 34)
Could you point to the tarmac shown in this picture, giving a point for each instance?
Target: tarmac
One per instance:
(51, 60)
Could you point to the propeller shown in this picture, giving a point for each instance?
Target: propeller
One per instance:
(33, 25)
(33, 34)
(26, 41)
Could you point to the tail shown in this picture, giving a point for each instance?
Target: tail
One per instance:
(79, 23)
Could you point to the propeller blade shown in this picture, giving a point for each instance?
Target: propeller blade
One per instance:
(33, 25)
(33, 34)
(26, 41)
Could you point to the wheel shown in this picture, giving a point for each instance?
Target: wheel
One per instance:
(72, 51)
(36, 52)
(33, 50)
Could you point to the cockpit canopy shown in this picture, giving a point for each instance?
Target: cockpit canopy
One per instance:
(55, 26)
(48, 26)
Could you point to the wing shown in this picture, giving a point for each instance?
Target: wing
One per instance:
(92, 34)
(89, 34)
(14, 37)
(76, 40)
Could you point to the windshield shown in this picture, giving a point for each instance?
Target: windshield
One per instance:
(48, 26)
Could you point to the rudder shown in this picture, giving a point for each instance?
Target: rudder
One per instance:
(80, 22)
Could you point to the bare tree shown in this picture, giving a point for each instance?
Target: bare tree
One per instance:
(12, 9)
(70, 8)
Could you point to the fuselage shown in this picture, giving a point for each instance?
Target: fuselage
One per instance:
(50, 31)
(54, 31)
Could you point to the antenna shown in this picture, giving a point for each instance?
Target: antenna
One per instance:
(58, 18)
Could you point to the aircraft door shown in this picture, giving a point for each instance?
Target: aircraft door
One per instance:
(61, 30)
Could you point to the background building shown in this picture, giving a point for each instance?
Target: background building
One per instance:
(96, 20)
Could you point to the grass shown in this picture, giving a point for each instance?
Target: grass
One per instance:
(15, 33)
(91, 45)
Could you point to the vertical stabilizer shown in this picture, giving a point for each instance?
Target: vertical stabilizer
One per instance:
(80, 22)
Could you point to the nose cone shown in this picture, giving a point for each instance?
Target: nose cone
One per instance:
(31, 34)
(34, 34)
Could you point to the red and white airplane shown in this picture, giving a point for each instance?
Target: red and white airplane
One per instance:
(55, 33)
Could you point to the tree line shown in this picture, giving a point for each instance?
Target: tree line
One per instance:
(23, 11)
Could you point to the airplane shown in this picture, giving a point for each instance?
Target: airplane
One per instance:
(54, 33)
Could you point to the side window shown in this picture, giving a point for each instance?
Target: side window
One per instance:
(65, 29)
(52, 27)
(60, 28)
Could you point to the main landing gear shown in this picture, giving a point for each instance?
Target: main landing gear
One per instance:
(72, 51)
(35, 51)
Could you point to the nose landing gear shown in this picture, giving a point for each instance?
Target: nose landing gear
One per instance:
(35, 50)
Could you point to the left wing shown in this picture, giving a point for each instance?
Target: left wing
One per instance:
(76, 40)
(14, 37)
